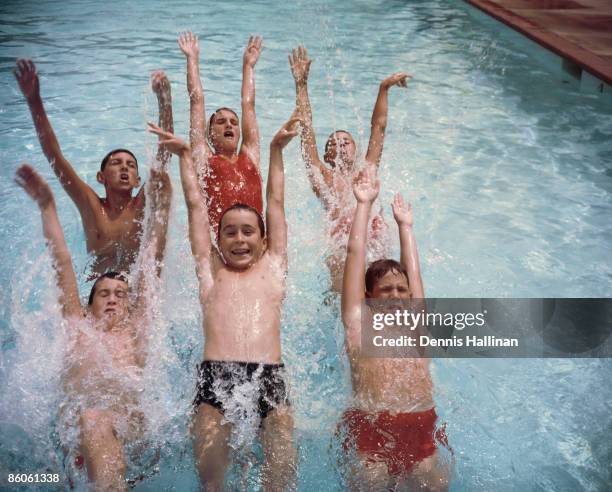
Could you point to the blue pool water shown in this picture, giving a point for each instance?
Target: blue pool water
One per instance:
(508, 168)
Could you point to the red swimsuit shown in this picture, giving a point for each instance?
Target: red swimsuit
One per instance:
(399, 440)
(228, 183)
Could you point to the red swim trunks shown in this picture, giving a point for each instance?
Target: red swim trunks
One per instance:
(228, 183)
(398, 440)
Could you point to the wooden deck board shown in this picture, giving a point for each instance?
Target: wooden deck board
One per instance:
(577, 30)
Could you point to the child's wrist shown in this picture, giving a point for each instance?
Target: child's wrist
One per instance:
(34, 98)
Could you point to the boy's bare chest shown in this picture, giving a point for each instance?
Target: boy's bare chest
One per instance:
(259, 289)
(116, 349)
(123, 226)
(253, 286)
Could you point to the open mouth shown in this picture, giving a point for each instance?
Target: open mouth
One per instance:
(228, 134)
(241, 251)
(124, 177)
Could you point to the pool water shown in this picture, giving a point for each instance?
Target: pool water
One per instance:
(508, 168)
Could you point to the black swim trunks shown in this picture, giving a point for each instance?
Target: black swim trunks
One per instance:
(224, 384)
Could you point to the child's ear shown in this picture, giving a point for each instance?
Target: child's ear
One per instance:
(265, 243)
(100, 177)
(138, 181)
(367, 294)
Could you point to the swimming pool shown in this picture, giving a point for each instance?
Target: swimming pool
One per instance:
(509, 171)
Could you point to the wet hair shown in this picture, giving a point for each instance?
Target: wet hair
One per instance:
(116, 151)
(212, 119)
(244, 206)
(379, 268)
(113, 275)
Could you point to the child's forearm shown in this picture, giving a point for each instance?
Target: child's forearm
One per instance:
(275, 206)
(160, 194)
(189, 181)
(309, 145)
(381, 109)
(166, 122)
(194, 82)
(248, 87)
(359, 229)
(46, 136)
(199, 228)
(275, 190)
(53, 233)
(302, 101)
(353, 281)
(410, 259)
(197, 110)
(62, 261)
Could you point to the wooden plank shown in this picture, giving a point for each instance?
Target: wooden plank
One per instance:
(577, 30)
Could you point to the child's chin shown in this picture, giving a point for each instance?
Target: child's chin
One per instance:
(240, 264)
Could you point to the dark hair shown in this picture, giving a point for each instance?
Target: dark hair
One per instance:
(379, 268)
(116, 151)
(212, 119)
(243, 206)
(113, 275)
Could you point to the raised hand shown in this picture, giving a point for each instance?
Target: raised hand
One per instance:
(366, 186)
(400, 79)
(188, 42)
(160, 83)
(252, 51)
(170, 141)
(287, 131)
(402, 211)
(34, 185)
(300, 64)
(27, 78)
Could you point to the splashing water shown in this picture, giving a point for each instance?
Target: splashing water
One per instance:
(507, 168)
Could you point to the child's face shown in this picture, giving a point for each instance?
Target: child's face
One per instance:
(340, 150)
(240, 241)
(110, 299)
(120, 172)
(225, 131)
(393, 285)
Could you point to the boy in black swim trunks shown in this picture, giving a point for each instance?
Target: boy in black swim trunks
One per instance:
(242, 286)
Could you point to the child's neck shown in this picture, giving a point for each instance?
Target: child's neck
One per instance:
(117, 201)
(230, 155)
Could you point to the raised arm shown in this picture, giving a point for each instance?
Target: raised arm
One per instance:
(159, 193)
(318, 173)
(189, 45)
(250, 128)
(275, 191)
(159, 197)
(27, 78)
(199, 229)
(379, 116)
(365, 188)
(39, 191)
(161, 87)
(402, 212)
